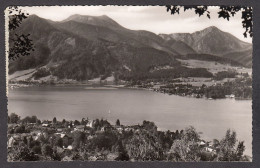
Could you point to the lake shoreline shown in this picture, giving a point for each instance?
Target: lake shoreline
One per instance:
(110, 87)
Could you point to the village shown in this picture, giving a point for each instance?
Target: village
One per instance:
(31, 139)
(237, 88)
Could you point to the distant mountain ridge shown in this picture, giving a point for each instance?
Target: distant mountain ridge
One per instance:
(84, 47)
(211, 41)
(215, 42)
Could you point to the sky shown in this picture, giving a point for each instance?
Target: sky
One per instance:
(150, 18)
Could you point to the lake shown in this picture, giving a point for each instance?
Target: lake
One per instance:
(132, 106)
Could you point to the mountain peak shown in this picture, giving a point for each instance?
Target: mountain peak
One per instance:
(104, 17)
(102, 20)
(211, 40)
(74, 16)
(210, 29)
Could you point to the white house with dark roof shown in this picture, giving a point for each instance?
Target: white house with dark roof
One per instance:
(90, 123)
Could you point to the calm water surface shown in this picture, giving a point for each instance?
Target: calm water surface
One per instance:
(132, 106)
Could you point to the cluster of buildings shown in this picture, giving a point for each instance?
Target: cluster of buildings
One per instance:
(64, 130)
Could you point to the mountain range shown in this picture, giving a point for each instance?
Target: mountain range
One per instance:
(85, 47)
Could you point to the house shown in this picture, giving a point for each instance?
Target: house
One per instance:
(32, 124)
(90, 124)
(80, 128)
(210, 149)
(10, 142)
(230, 96)
(35, 132)
(202, 143)
(44, 134)
(102, 129)
(137, 130)
(119, 129)
(61, 134)
(45, 125)
(129, 129)
(106, 128)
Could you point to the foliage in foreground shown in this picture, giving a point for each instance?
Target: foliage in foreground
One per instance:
(109, 142)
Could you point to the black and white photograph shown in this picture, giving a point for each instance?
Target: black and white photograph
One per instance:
(129, 83)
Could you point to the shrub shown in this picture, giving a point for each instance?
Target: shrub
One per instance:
(37, 149)
(20, 129)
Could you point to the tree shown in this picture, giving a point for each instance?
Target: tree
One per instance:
(76, 122)
(30, 143)
(70, 124)
(47, 150)
(228, 150)
(224, 12)
(21, 153)
(83, 121)
(144, 146)
(14, 118)
(25, 141)
(186, 148)
(38, 122)
(59, 142)
(34, 119)
(122, 153)
(54, 121)
(78, 138)
(20, 129)
(19, 44)
(28, 119)
(37, 150)
(149, 126)
(117, 122)
(240, 150)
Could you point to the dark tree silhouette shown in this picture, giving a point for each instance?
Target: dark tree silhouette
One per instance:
(47, 150)
(14, 118)
(224, 12)
(117, 122)
(19, 44)
(54, 121)
(123, 155)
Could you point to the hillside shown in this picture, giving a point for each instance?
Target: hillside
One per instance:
(213, 41)
(86, 47)
(82, 51)
(243, 57)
